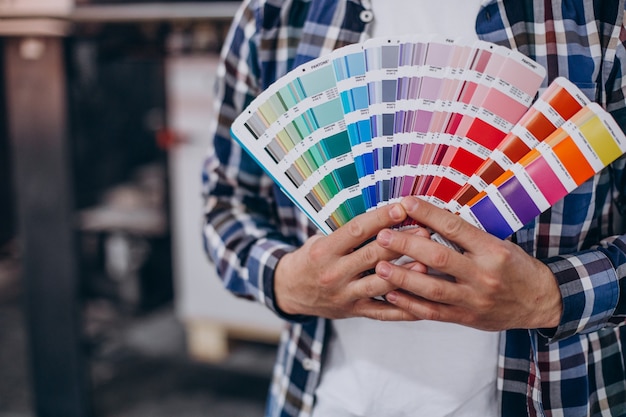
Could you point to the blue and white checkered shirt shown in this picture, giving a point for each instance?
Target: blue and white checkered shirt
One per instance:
(577, 369)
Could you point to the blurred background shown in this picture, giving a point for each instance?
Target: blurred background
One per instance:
(108, 304)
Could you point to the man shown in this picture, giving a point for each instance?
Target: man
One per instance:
(541, 312)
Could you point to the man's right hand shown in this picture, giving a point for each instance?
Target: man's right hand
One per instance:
(328, 276)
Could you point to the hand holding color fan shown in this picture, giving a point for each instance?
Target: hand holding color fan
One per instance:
(448, 120)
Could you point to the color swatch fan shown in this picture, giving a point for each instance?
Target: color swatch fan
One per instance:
(448, 120)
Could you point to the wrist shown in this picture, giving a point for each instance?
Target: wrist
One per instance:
(282, 288)
(552, 302)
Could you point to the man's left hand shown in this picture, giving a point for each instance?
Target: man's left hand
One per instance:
(495, 285)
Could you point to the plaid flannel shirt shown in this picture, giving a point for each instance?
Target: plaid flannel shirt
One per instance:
(577, 369)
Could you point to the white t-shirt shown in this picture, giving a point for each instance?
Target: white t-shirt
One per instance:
(420, 368)
(451, 18)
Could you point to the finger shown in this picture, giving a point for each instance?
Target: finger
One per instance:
(448, 225)
(365, 226)
(412, 265)
(382, 311)
(365, 258)
(425, 286)
(369, 287)
(425, 309)
(426, 252)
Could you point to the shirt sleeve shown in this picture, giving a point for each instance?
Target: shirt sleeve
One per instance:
(240, 230)
(590, 291)
(593, 282)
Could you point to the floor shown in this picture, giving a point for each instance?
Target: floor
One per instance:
(139, 366)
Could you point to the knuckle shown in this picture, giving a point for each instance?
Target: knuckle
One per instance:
(432, 315)
(403, 243)
(378, 315)
(317, 251)
(370, 290)
(355, 229)
(440, 257)
(400, 277)
(500, 254)
(493, 286)
(437, 293)
(452, 226)
(326, 279)
(484, 304)
(368, 255)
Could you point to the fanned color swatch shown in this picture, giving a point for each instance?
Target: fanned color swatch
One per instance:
(451, 121)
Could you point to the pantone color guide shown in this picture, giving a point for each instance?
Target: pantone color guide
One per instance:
(454, 122)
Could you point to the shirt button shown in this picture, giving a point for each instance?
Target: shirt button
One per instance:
(308, 364)
(366, 16)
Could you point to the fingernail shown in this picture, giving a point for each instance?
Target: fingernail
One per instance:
(410, 203)
(384, 237)
(383, 270)
(392, 297)
(396, 213)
